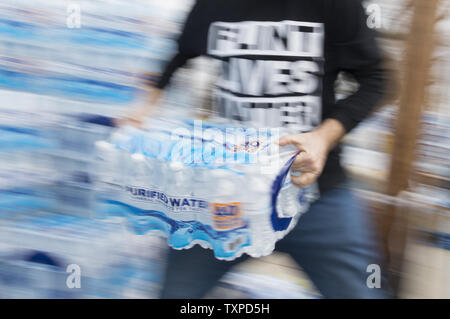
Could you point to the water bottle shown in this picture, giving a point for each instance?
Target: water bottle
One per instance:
(257, 207)
(202, 190)
(232, 233)
(288, 202)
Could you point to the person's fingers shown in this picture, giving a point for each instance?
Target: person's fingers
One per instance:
(303, 163)
(287, 139)
(135, 121)
(121, 122)
(300, 162)
(304, 179)
(290, 139)
(117, 121)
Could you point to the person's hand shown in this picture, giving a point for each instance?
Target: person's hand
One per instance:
(136, 116)
(314, 147)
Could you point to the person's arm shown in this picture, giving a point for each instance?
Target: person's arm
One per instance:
(356, 53)
(152, 95)
(187, 49)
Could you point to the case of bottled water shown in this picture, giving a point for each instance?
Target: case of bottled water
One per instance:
(224, 188)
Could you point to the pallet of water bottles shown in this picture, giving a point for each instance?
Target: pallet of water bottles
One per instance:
(104, 58)
(50, 241)
(47, 161)
(50, 255)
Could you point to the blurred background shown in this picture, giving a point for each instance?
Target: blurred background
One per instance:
(61, 61)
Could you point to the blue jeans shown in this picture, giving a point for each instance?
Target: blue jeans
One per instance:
(333, 242)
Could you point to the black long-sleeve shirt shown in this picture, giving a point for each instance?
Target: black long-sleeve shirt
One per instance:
(280, 60)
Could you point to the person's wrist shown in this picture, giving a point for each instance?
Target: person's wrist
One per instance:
(329, 133)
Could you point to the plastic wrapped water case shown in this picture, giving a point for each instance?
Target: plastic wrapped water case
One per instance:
(223, 187)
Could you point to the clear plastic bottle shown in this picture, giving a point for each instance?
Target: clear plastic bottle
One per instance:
(109, 174)
(257, 208)
(180, 187)
(288, 201)
(227, 213)
(202, 191)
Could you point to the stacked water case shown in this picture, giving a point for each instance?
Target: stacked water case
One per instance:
(225, 188)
